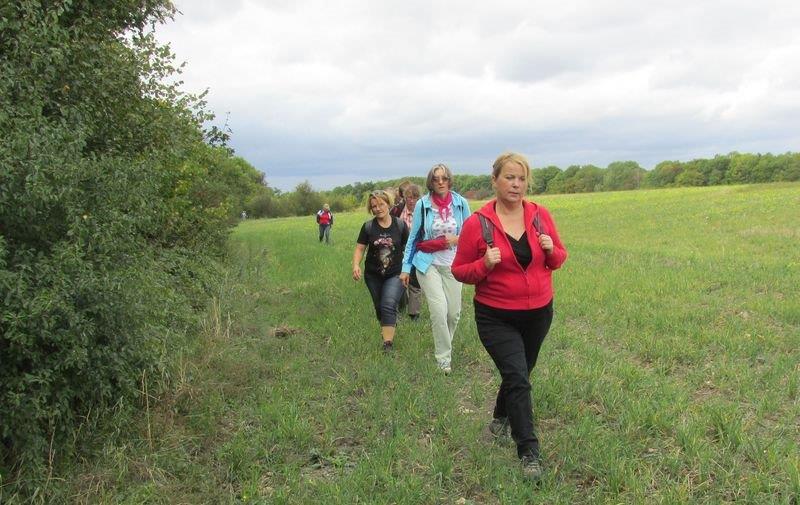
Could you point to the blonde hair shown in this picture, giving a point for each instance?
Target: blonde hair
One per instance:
(378, 193)
(513, 157)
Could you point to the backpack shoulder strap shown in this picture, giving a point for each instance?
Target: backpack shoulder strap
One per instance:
(487, 230)
(400, 224)
(421, 229)
(537, 224)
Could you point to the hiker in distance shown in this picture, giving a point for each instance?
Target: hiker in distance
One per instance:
(325, 222)
(383, 238)
(436, 225)
(509, 250)
(413, 295)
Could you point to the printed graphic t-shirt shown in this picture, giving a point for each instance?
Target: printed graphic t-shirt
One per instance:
(384, 248)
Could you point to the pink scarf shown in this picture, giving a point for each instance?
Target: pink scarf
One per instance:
(443, 202)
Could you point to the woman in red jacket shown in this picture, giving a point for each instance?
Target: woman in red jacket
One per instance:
(512, 272)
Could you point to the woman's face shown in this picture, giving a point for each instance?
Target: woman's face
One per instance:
(378, 206)
(511, 183)
(411, 201)
(441, 183)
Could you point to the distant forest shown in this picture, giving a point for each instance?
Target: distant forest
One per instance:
(733, 168)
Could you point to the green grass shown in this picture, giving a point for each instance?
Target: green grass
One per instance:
(670, 375)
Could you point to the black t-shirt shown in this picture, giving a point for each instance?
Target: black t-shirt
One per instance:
(384, 247)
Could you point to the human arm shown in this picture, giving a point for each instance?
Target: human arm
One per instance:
(358, 253)
(434, 244)
(471, 265)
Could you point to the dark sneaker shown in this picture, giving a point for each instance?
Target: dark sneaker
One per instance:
(414, 317)
(388, 347)
(532, 467)
(500, 429)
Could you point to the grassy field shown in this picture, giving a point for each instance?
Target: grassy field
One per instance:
(671, 373)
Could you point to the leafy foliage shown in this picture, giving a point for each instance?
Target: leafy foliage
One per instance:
(112, 209)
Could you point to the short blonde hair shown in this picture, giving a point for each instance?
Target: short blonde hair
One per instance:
(378, 193)
(447, 173)
(513, 157)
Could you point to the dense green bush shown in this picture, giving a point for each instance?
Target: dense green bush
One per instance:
(112, 210)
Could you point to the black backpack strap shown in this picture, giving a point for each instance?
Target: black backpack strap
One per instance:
(487, 230)
(537, 224)
(400, 224)
(421, 229)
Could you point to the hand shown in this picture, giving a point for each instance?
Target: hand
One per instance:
(452, 240)
(404, 278)
(356, 273)
(492, 257)
(546, 242)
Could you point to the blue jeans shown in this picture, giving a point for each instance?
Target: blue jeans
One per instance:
(325, 232)
(386, 293)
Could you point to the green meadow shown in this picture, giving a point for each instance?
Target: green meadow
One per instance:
(671, 373)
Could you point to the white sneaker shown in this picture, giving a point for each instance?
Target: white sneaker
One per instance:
(444, 366)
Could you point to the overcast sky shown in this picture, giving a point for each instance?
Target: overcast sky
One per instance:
(335, 92)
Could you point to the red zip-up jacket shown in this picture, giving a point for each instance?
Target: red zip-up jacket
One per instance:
(507, 285)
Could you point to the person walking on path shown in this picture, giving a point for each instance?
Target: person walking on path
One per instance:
(509, 249)
(436, 225)
(325, 222)
(413, 294)
(383, 238)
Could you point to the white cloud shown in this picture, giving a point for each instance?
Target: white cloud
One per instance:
(366, 89)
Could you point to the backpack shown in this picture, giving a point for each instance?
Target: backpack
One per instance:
(487, 228)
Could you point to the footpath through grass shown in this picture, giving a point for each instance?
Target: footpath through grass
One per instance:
(671, 374)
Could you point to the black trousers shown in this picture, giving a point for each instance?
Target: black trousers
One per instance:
(513, 339)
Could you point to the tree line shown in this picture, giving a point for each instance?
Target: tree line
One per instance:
(732, 168)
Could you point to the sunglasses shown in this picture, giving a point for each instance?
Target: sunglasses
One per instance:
(440, 179)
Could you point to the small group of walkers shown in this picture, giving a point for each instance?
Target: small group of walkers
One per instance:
(430, 244)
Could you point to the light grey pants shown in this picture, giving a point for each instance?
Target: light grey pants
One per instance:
(443, 293)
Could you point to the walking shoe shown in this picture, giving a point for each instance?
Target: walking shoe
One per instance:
(532, 467)
(444, 366)
(414, 317)
(388, 347)
(500, 428)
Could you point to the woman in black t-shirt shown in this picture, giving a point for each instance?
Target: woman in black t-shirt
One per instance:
(384, 239)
